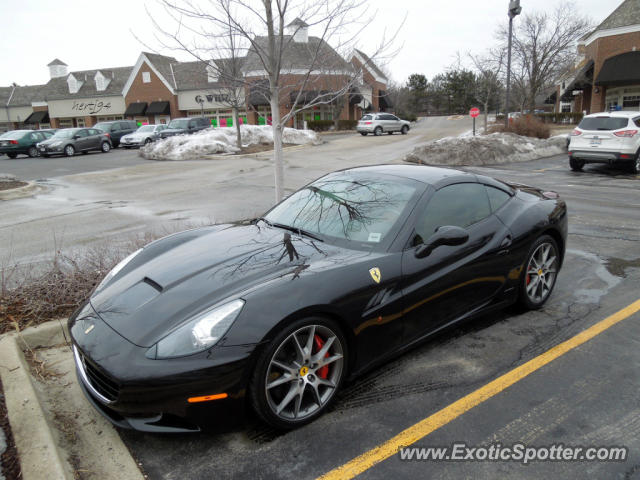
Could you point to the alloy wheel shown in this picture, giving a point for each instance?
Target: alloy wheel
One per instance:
(304, 372)
(541, 272)
(69, 151)
(106, 147)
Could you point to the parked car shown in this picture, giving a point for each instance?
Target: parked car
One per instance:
(117, 129)
(16, 142)
(181, 126)
(338, 278)
(142, 136)
(379, 123)
(612, 138)
(68, 141)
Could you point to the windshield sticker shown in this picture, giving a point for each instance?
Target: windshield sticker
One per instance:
(374, 237)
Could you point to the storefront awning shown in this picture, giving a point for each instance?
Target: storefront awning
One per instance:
(385, 101)
(159, 108)
(355, 97)
(38, 117)
(135, 109)
(622, 69)
(583, 79)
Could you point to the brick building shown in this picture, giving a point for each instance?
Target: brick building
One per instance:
(158, 88)
(607, 75)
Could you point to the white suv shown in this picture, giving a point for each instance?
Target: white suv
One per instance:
(611, 138)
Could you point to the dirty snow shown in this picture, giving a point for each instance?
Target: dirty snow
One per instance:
(222, 140)
(489, 149)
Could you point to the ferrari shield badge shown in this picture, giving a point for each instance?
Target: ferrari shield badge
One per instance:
(375, 274)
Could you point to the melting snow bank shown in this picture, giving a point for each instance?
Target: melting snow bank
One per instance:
(221, 140)
(485, 150)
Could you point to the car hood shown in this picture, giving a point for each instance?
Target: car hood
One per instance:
(138, 136)
(173, 131)
(173, 279)
(49, 141)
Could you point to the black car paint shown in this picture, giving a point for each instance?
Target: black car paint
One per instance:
(283, 276)
(195, 124)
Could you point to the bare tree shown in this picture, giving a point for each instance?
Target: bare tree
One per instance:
(271, 37)
(489, 67)
(543, 46)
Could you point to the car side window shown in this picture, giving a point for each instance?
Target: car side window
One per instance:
(393, 117)
(192, 123)
(497, 197)
(460, 205)
(82, 133)
(93, 131)
(35, 137)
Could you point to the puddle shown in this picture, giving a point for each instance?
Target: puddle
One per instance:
(618, 266)
(597, 281)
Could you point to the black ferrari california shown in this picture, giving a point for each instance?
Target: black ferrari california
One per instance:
(275, 314)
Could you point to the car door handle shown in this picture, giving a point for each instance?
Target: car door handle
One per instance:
(504, 245)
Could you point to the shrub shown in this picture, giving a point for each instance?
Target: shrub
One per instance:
(527, 126)
(320, 125)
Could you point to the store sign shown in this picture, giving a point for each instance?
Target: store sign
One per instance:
(92, 107)
(217, 98)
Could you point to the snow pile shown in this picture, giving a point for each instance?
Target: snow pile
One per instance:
(222, 140)
(490, 149)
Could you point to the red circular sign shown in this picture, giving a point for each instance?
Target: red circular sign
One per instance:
(474, 112)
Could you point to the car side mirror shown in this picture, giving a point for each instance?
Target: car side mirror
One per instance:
(447, 235)
(76, 137)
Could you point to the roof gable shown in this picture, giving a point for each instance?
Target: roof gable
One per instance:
(160, 65)
(367, 63)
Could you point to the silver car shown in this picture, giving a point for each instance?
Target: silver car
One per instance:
(379, 123)
(142, 136)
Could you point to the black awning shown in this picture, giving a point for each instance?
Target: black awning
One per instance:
(159, 108)
(38, 117)
(622, 69)
(355, 97)
(135, 109)
(583, 79)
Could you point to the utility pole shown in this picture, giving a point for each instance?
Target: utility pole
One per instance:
(514, 10)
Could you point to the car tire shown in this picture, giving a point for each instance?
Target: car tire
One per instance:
(105, 147)
(69, 151)
(147, 141)
(377, 131)
(576, 165)
(404, 130)
(32, 152)
(302, 389)
(12, 156)
(364, 134)
(635, 164)
(540, 273)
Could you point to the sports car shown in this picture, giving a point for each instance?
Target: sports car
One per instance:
(276, 313)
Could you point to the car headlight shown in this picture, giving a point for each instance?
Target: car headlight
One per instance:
(199, 333)
(114, 271)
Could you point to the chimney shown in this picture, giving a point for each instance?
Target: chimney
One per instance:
(57, 69)
(299, 29)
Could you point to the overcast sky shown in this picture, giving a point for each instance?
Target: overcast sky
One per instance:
(88, 35)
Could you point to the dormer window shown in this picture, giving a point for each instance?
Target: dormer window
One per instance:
(212, 75)
(101, 81)
(74, 84)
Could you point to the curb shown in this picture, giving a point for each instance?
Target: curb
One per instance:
(40, 456)
(266, 153)
(31, 188)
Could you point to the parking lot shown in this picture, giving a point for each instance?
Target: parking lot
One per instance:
(585, 397)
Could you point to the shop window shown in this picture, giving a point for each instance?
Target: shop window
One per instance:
(632, 101)
(66, 123)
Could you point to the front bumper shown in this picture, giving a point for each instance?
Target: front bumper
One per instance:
(46, 149)
(135, 392)
(131, 143)
(591, 156)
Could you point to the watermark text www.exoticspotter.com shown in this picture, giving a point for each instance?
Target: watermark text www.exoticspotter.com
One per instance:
(517, 452)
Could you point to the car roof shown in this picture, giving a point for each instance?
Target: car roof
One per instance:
(621, 113)
(435, 176)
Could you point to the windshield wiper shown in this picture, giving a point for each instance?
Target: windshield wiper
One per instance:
(297, 230)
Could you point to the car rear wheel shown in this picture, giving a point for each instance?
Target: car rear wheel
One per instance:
(635, 165)
(105, 147)
(576, 165)
(12, 155)
(404, 130)
(299, 372)
(378, 131)
(32, 152)
(541, 270)
(69, 151)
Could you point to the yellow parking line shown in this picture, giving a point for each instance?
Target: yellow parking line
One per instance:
(454, 410)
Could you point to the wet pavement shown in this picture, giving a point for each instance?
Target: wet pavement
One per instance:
(586, 397)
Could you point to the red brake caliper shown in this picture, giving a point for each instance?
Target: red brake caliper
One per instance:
(322, 372)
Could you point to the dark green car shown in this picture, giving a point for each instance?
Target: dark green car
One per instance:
(16, 142)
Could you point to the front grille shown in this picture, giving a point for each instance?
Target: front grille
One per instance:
(97, 380)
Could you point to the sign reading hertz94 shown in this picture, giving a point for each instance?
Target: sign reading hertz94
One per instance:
(474, 112)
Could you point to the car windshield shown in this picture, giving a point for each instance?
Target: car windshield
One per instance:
(346, 206)
(603, 123)
(14, 135)
(179, 123)
(105, 127)
(65, 133)
(146, 128)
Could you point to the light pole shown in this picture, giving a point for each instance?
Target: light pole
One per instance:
(514, 9)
